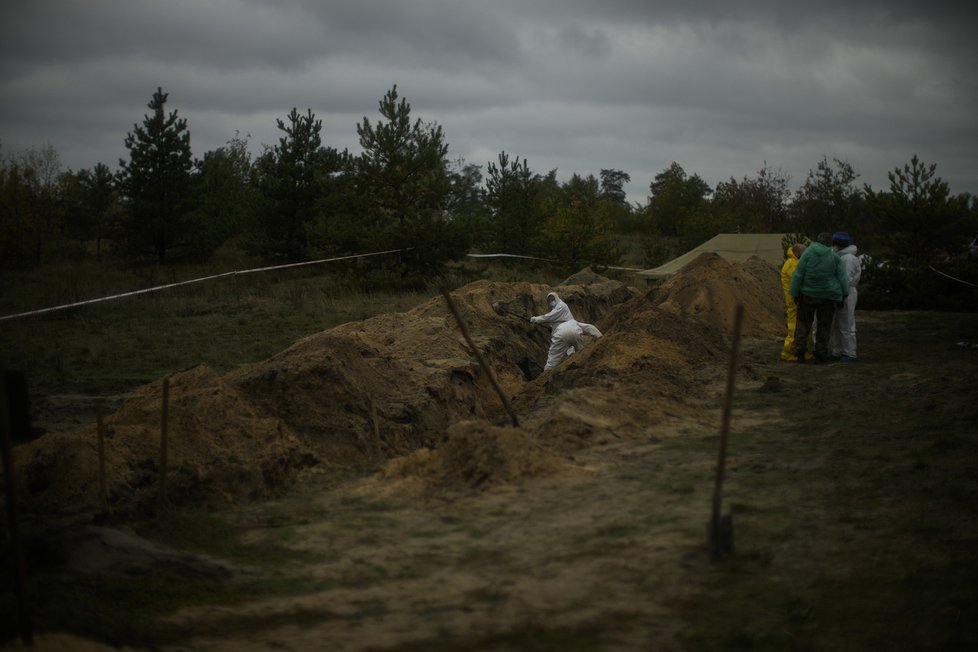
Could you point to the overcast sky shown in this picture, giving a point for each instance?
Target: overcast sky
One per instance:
(722, 88)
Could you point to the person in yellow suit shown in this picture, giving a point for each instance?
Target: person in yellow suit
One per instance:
(791, 308)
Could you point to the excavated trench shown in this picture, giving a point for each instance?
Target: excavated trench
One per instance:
(404, 387)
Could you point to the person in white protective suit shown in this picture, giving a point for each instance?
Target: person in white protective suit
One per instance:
(566, 333)
(842, 341)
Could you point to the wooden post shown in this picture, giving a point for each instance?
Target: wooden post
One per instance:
(16, 544)
(163, 442)
(478, 356)
(720, 528)
(103, 493)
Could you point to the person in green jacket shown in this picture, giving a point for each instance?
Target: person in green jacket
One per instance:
(819, 286)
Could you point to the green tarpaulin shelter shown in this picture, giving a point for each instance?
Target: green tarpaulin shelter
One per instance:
(735, 247)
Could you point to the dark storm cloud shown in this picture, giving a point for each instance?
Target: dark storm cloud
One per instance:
(219, 33)
(721, 88)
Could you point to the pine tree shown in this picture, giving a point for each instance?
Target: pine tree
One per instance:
(513, 197)
(155, 182)
(922, 227)
(297, 180)
(404, 182)
(830, 200)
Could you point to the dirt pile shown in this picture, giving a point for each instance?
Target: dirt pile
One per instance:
(660, 352)
(219, 450)
(473, 455)
(709, 288)
(409, 376)
(406, 384)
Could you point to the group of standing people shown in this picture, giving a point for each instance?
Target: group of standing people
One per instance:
(821, 288)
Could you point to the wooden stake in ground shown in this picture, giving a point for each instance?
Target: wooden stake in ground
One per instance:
(163, 442)
(103, 494)
(478, 356)
(16, 544)
(720, 528)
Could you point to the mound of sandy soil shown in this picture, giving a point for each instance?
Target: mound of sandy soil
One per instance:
(709, 288)
(406, 386)
(413, 368)
(473, 455)
(220, 450)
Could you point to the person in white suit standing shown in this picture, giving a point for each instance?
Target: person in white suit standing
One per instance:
(842, 341)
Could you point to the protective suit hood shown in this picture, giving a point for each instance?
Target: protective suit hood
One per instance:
(560, 313)
(850, 250)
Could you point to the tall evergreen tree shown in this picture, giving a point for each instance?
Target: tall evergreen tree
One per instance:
(513, 198)
(830, 200)
(920, 221)
(403, 180)
(155, 183)
(295, 178)
(922, 227)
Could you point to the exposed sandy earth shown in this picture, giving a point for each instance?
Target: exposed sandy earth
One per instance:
(582, 529)
(409, 377)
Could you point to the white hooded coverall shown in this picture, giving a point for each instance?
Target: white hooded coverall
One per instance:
(842, 341)
(566, 333)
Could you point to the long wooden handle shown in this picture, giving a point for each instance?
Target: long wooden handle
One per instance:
(478, 356)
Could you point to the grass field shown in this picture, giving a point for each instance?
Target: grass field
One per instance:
(114, 346)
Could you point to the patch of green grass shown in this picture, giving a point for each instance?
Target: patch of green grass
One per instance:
(115, 346)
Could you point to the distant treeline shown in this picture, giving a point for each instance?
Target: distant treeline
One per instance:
(303, 199)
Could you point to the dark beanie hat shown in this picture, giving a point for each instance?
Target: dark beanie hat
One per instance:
(841, 239)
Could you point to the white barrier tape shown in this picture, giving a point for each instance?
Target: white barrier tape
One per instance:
(952, 278)
(549, 260)
(625, 269)
(195, 280)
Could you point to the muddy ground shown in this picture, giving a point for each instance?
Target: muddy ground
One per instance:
(362, 491)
